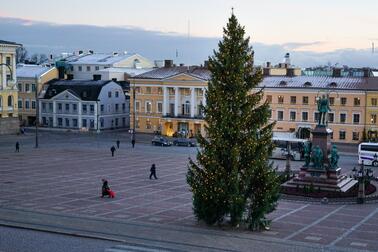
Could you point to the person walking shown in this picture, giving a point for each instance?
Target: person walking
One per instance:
(17, 147)
(118, 142)
(105, 188)
(153, 171)
(133, 142)
(112, 149)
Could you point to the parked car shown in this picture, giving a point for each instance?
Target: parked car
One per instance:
(184, 142)
(160, 141)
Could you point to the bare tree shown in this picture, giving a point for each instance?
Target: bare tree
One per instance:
(21, 54)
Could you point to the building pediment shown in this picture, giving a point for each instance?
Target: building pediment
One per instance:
(183, 77)
(68, 95)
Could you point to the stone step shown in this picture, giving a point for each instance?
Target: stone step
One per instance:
(350, 184)
(135, 248)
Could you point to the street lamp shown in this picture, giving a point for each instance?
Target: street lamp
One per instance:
(362, 175)
(36, 111)
(98, 116)
(134, 113)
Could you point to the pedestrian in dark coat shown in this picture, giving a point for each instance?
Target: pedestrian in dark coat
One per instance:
(112, 149)
(17, 147)
(153, 171)
(118, 142)
(133, 142)
(105, 188)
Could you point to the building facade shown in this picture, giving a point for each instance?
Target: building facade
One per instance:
(84, 105)
(8, 88)
(30, 82)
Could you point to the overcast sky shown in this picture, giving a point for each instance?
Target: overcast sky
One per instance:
(311, 26)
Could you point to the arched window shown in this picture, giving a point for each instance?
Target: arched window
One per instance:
(10, 101)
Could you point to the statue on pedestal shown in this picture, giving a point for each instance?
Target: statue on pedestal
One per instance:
(307, 154)
(334, 158)
(317, 158)
(323, 108)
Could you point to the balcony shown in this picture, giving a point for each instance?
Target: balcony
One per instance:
(184, 116)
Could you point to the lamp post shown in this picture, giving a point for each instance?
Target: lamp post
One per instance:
(98, 116)
(134, 113)
(362, 175)
(36, 111)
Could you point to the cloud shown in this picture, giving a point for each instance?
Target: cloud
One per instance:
(48, 38)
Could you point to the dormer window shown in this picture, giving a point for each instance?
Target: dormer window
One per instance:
(283, 83)
(85, 95)
(332, 84)
(307, 84)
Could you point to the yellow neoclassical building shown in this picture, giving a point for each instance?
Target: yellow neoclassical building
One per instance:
(8, 88)
(168, 100)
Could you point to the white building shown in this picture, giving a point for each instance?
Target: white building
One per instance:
(79, 104)
(87, 65)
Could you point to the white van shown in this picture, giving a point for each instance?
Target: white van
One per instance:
(368, 152)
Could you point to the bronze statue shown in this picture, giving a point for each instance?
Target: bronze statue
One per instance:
(334, 159)
(307, 154)
(323, 108)
(317, 158)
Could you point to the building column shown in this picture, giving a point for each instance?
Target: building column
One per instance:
(4, 72)
(203, 96)
(192, 101)
(177, 100)
(96, 126)
(54, 114)
(14, 77)
(39, 111)
(79, 110)
(165, 101)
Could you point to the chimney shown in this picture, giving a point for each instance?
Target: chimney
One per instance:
(80, 52)
(70, 76)
(268, 64)
(266, 71)
(97, 77)
(206, 64)
(61, 71)
(336, 72)
(113, 79)
(168, 63)
(91, 51)
(366, 72)
(182, 64)
(290, 72)
(287, 59)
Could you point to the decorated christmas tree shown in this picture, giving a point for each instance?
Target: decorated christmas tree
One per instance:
(232, 176)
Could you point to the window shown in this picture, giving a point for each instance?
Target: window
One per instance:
(19, 103)
(74, 123)
(356, 118)
(357, 102)
(137, 106)
(27, 104)
(59, 106)
(342, 135)
(60, 122)
(67, 107)
(343, 101)
(67, 122)
(102, 123)
(91, 107)
(51, 107)
(331, 101)
(97, 68)
(305, 99)
(316, 116)
(10, 101)
(27, 88)
(33, 87)
(148, 90)
(356, 136)
(305, 116)
(88, 68)
(19, 87)
(109, 94)
(374, 102)
(269, 98)
(293, 99)
(123, 121)
(8, 60)
(373, 118)
(102, 107)
(84, 108)
(279, 115)
(148, 124)
(74, 107)
(342, 118)
(293, 115)
(148, 107)
(331, 117)
(116, 94)
(116, 122)
(160, 90)
(123, 107)
(92, 124)
(33, 104)
(137, 90)
(84, 123)
(116, 107)
(137, 123)
(280, 99)
(159, 107)
(80, 68)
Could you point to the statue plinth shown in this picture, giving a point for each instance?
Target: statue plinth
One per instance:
(321, 136)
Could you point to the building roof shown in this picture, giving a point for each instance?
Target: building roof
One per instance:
(9, 43)
(99, 59)
(30, 71)
(87, 90)
(166, 72)
(127, 70)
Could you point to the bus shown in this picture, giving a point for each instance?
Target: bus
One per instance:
(368, 152)
(282, 144)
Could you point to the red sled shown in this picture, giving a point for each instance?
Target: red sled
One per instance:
(111, 194)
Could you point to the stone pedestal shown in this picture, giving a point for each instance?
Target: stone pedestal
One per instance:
(321, 136)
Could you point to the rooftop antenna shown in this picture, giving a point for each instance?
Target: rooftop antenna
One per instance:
(372, 48)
